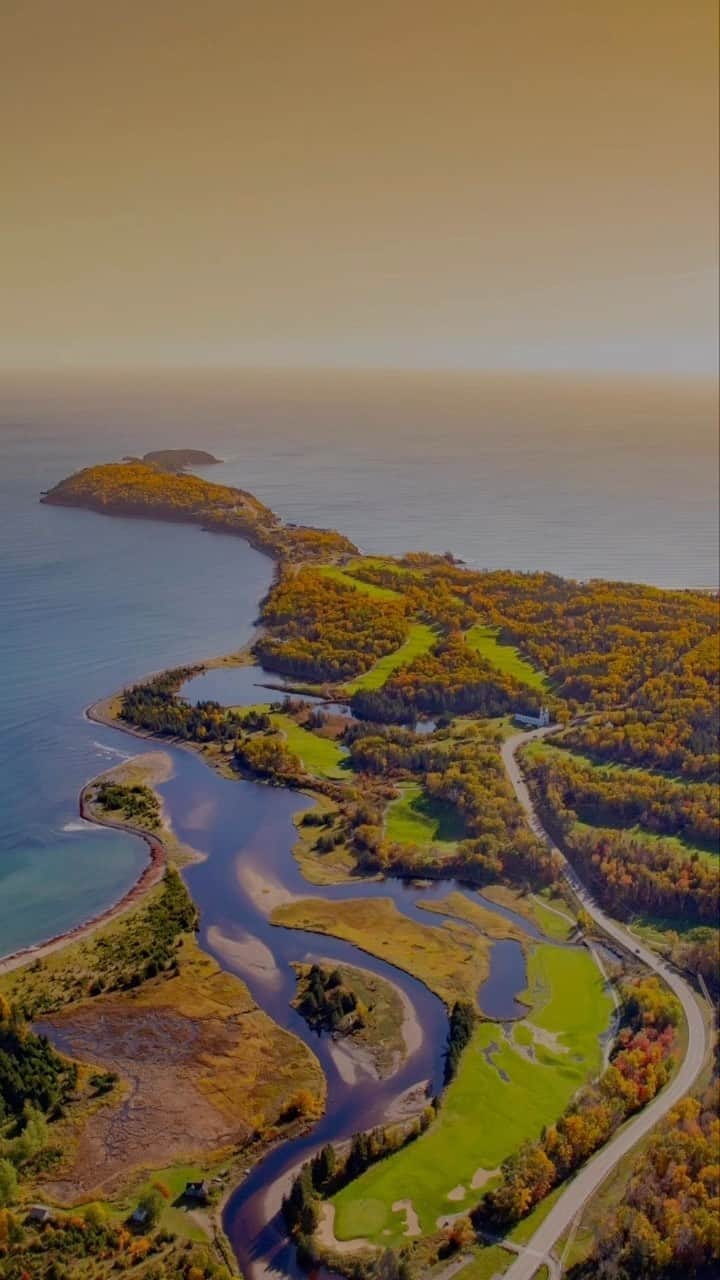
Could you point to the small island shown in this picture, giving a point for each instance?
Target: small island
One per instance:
(180, 459)
(366, 1016)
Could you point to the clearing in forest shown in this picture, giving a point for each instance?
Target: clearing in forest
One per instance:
(321, 756)
(485, 642)
(506, 1089)
(369, 588)
(418, 819)
(420, 639)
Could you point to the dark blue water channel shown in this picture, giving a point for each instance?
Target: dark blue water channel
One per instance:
(246, 831)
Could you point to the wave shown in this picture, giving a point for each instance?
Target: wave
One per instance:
(79, 826)
(115, 752)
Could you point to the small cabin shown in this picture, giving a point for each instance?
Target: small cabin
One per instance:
(40, 1213)
(197, 1191)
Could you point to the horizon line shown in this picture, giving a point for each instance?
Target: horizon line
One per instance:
(601, 374)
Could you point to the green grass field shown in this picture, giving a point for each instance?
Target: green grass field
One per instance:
(369, 588)
(321, 756)
(415, 818)
(420, 639)
(484, 640)
(486, 1263)
(486, 1115)
(557, 927)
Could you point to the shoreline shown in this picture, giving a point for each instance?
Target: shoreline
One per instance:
(150, 876)
(99, 712)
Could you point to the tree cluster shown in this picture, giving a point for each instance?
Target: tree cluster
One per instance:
(671, 722)
(137, 488)
(327, 1003)
(630, 874)
(32, 1074)
(322, 629)
(89, 1243)
(144, 946)
(136, 802)
(451, 679)
(668, 1224)
(626, 798)
(462, 1023)
(465, 774)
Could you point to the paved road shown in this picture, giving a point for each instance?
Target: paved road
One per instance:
(587, 1181)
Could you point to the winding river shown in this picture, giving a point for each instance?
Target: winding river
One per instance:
(246, 831)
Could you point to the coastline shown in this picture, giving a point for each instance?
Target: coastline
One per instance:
(100, 712)
(150, 876)
(160, 855)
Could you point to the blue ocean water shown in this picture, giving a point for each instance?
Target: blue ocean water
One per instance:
(87, 604)
(588, 480)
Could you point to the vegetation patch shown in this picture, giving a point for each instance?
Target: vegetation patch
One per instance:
(134, 488)
(505, 656)
(320, 756)
(204, 1071)
(321, 849)
(451, 959)
(479, 915)
(320, 629)
(420, 819)
(499, 1098)
(421, 638)
(135, 804)
(348, 579)
(355, 1006)
(142, 944)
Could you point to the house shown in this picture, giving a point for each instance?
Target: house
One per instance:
(533, 722)
(197, 1191)
(40, 1213)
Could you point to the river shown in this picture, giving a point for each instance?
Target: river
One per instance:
(246, 830)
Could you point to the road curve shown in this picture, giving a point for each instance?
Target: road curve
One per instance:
(587, 1181)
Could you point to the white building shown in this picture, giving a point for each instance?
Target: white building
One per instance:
(533, 722)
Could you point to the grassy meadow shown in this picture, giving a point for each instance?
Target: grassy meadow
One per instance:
(484, 640)
(450, 958)
(420, 639)
(369, 588)
(321, 756)
(415, 818)
(507, 1088)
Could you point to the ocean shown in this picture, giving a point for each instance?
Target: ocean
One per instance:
(588, 479)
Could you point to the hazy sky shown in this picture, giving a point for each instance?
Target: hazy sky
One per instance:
(475, 183)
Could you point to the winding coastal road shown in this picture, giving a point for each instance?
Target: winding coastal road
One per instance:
(586, 1182)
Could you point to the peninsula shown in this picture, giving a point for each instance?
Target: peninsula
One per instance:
(440, 844)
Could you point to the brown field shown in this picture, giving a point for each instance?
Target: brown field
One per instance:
(203, 1072)
(452, 959)
(479, 916)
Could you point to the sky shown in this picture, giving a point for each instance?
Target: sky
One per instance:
(471, 184)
